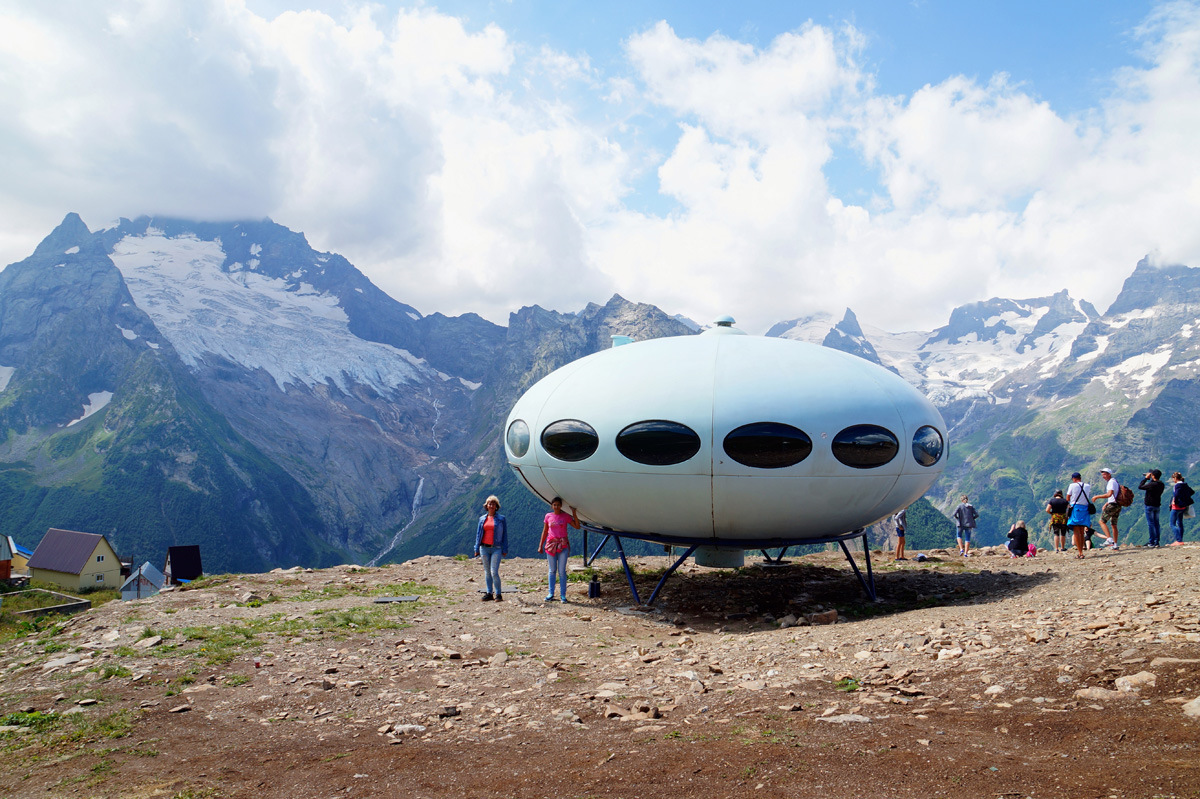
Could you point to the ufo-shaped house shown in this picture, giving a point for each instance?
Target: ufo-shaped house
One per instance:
(726, 440)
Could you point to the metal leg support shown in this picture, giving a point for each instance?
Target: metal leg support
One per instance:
(628, 574)
(588, 561)
(774, 561)
(669, 572)
(868, 583)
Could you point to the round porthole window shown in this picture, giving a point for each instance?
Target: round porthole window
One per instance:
(768, 445)
(518, 438)
(865, 446)
(658, 442)
(570, 440)
(927, 446)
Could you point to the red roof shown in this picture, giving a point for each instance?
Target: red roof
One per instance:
(64, 551)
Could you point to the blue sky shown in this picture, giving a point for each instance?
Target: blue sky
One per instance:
(767, 160)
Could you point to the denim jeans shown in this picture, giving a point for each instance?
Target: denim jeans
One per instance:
(1152, 523)
(491, 567)
(1177, 523)
(558, 564)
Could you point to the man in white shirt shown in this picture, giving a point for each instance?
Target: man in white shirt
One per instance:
(1111, 510)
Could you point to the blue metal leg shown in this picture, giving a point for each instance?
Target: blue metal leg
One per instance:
(588, 561)
(628, 574)
(774, 561)
(669, 572)
(868, 585)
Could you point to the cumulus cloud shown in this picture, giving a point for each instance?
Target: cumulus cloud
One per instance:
(466, 171)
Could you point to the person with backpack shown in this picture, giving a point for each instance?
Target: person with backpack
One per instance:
(1058, 508)
(1080, 502)
(1181, 500)
(1152, 484)
(1112, 507)
(965, 516)
(900, 518)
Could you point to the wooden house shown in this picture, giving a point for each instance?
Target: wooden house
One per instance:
(75, 561)
(183, 564)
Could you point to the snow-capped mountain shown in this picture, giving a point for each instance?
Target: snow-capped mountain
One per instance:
(970, 357)
(167, 381)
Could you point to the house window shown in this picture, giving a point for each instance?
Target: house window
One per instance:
(658, 442)
(99, 578)
(99, 558)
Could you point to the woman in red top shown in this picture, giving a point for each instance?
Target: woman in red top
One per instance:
(491, 543)
(557, 546)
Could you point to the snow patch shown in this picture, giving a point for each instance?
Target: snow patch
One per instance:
(295, 333)
(360, 291)
(413, 316)
(1101, 346)
(6, 373)
(151, 345)
(469, 384)
(72, 251)
(255, 249)
(128, 334)
(1124, 319)
(96, 402)
(1140, 368)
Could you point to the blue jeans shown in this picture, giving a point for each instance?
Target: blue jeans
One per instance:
(558, 566)
(1152, 523)
(965, 534)
(1177, 523)
(491, 567)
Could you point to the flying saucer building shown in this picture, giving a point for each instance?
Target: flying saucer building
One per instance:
(726, 440)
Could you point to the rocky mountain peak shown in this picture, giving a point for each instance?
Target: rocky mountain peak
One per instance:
(1151, 285)
(70, 237)
(847, 336)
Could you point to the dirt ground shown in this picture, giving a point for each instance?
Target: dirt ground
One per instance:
(1044, 677)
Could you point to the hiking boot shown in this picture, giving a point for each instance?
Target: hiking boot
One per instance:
(487, 597)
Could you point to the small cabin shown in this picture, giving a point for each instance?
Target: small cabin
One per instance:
(20, 556)
(183, 564)
(5, 558)
(143, 582)
(75, 561)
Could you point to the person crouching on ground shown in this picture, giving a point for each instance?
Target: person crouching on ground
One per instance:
(1058, 508)
(1080, 519)
(901, 520)
(557, 546)
(1018, 540)
(1111, 510)
(491, 544)
(965, 516)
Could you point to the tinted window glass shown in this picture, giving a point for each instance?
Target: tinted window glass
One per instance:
(570, 440)
(928, 446)
(768, 445)
(865, 446)
(658, 443)
(518, 438)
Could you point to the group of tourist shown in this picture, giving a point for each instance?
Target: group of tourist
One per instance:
(1071, 510)
(491, 544)
(1074, 511)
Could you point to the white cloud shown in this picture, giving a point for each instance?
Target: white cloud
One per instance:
(466, 171)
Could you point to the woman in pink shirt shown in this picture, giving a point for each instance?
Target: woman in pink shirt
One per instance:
(557, 545)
